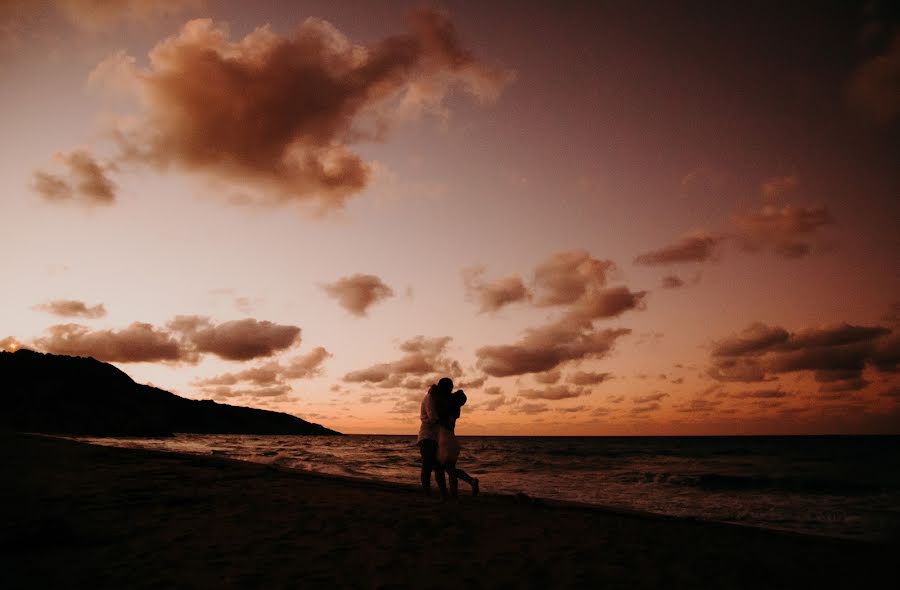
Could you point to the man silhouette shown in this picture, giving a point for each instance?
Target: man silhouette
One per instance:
(427, 439)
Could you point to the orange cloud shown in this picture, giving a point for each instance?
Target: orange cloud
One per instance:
(276, 115)
(266, 380)
(70, 308)
(87, 181)
(566, 277)
(554, 392)
(359, 292)
(585, 378)
(237, 340)
(694, 248)
(493, 295)
(423, 357)
(138, 343)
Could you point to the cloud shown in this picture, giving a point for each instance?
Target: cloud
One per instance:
(585, 378)
(493, 403)
(646, 409)
(653, 397)
(576, 282)
(71, 308)
(10, 344)
(138, 343)
(99, 15)
(671, 282)
(87, 182)
(694, 248)
(760, 394)
(548, 378)
(266, 380)
(779, 186)
(873, 87)
(224, 392)
(755, 339)
(493, 295)
(698, 406)
(787, 230)
(554, 392)
(568, 276)
(359, 292)
(275, 116)
(529, 409)
(833, 354)
(423, 356)
(237, 340)
(543, 349)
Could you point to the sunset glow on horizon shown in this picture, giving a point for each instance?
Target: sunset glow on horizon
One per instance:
(606, 219)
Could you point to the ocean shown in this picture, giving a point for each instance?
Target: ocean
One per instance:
(840, 486)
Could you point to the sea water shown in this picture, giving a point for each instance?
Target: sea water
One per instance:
(843, 486)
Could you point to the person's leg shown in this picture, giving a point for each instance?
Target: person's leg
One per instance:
(441, 481)
(472, 481)
(427, 448)
(454, 484)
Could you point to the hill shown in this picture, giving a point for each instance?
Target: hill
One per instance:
(83, 396)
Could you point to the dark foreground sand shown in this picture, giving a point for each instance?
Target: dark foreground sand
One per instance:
(81, 516)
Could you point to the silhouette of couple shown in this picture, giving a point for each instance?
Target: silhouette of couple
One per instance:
(437, 439)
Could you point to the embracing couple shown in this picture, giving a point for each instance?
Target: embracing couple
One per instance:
(437, 439)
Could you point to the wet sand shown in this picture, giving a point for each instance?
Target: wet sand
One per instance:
(80, 516)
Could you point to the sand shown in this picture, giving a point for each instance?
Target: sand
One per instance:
(80, 516)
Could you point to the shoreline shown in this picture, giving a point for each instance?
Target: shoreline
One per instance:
(101, 514)
(520, 497)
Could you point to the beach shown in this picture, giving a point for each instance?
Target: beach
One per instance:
(79, 515)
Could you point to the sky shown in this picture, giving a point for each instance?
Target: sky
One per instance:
(608, 218)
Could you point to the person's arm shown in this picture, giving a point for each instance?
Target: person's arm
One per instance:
(431, 409)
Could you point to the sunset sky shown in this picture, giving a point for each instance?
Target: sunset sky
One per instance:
(598, 218)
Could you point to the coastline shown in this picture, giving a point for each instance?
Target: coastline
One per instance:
(146, 518)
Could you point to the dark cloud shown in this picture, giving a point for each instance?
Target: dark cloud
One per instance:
(585, 378)
(493, 295)
(276, 115)
(86, 181)
(548, 378)
(695, 248)
(554, 392)
(359, 292)
(493, 390)
(237, 340)
(71, 308)
(138, 343)
(835, 355)
(787, 230)
(873, 87)
(423, 357)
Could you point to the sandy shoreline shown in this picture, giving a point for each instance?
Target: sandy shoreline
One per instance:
(77, 515)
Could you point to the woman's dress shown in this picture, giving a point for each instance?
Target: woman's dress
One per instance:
(448, 445)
